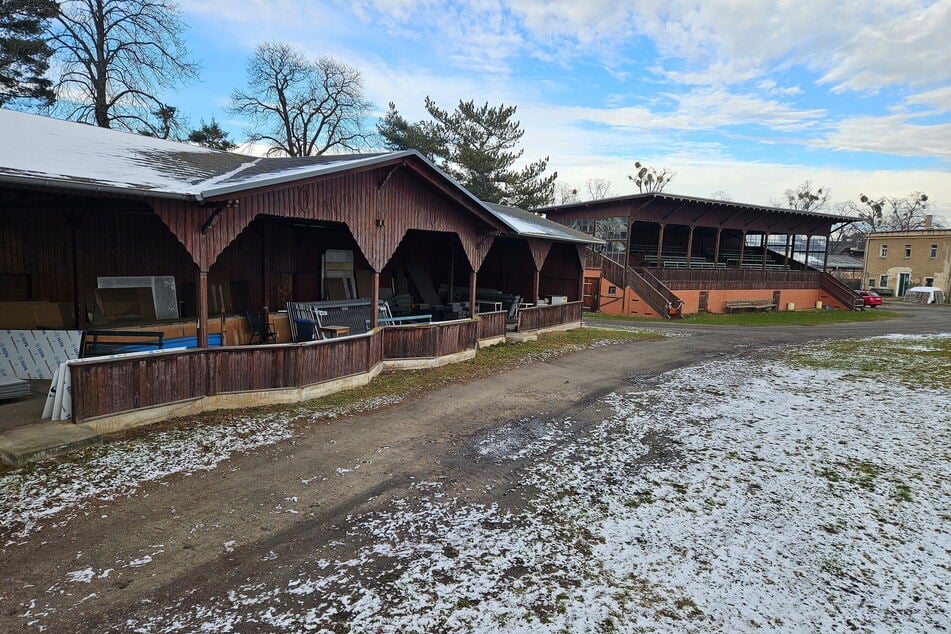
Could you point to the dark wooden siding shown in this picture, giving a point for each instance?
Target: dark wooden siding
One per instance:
(545, 316)
(429, 340)
(736, 279)
(409, 342)
(561, 273)
(110, 386)
(102, 387)
(492, 325)
(377, 216)
(36, 244)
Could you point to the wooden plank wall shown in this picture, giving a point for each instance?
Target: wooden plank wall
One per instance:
(492, 325)
(112, 386)
(561, 273)
(36, 242)
(545, 316)
(377, 215)
(737, 279)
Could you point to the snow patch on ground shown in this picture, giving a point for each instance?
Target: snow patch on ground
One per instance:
(739, 495)
(33, 496)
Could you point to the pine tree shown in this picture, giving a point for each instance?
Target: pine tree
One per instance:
(476, 145)
(211, 135)
(24, 52)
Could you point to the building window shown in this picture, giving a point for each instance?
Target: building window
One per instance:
(907, 250)
(883, 281)
(611, 229)
(884, 251)
(612, 290)
(934, 251)
(584, 225)
(871, 282)
(929, 281)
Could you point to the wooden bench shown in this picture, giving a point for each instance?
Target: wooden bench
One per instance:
(733, 305)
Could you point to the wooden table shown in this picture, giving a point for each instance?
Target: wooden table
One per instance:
(333, 332)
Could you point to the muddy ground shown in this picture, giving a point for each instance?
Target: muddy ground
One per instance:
(261, 516)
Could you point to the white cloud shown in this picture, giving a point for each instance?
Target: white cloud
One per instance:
(939, 100)
(891, 134)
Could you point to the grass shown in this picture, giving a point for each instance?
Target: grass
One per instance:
(924, 364)
(487, 361)
(772, 318)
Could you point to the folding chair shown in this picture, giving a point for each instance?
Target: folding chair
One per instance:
(259, 328)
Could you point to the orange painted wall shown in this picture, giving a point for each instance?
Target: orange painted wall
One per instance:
(622, 303)
(804, 299)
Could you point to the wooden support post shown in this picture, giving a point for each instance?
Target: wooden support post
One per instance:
(74, 248)
(689, 244)
(808, 248)
(660, 245)
(265, 271)
(535, 285)
(472, 294)
(742, 246)
(716, 248)
(202, 290)
(765, 249)
(825, 257)
(786, 251)
(452, 270)
(374, 300)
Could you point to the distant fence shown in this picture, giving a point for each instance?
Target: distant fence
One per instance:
(538, 317)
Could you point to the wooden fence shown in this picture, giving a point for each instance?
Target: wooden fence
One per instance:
(426, 341)
(733, 279)
(492, 325)
(102, 387)
(538, 317)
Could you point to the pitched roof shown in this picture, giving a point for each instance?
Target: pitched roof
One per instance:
(72, 155)
(531, 225)
(699, 201)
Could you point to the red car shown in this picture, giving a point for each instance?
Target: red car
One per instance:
(871, 299)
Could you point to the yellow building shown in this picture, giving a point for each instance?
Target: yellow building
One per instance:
(899, 260)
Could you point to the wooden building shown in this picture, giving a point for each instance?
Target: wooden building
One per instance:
(81, 205)
(669, 255)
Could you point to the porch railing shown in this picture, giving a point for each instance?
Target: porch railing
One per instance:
(492, 325)
(104, 386)
(649, 288)
(425, 341)
(538, 317)
(840, 291)
(737, 279)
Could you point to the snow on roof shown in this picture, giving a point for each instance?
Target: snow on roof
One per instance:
(835, 261)
(80, 156)
(56, 153)
(528, 224)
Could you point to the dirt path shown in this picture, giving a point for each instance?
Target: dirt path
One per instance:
(261, 516)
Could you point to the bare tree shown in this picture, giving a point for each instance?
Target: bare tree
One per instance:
(302, 107)
(116, 58)
(565, 194)
(650, 179)
(721, 195)
(806, 197)
(598, 188)
(888, 213)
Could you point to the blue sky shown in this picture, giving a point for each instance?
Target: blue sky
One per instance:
(741, 96)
